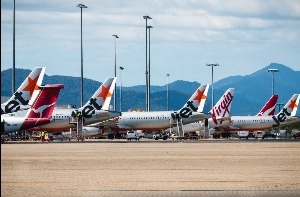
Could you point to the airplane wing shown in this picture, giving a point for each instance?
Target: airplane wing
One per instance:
(225, 122)
(103, 115)
(110, 123)
(195, 117)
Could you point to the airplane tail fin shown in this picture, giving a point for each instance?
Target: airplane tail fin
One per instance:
(45, 103)
(27, 92)
(222, 107)
(202, 101)
(196, 99)
(295, 107)
(37, 90)
(269, 108)
(109, 95)
(98, 99)
(291, 106)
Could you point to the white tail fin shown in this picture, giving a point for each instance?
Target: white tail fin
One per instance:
(288, 110)
(291, 106)
(269, 108)
(97, 100)
(26, 94)
(106, 105)
(202, 102)
(37, 90)
(193, 103)
(222, 107)
(295, 106)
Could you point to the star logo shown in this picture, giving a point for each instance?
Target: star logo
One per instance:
(109, 94)
(31, 86)
(200, 95)
(293, 104)
(104, 92)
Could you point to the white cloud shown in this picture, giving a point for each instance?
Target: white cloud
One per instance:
(185, 34)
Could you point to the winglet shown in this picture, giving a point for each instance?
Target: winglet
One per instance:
(269, 108)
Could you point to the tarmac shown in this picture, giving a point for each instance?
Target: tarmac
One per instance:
(151, 168)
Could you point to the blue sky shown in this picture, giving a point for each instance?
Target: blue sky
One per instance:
(241, 36)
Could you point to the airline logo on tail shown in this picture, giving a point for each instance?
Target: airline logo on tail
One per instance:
(269, 108)
(97, 100)
(192, 104)
(222, 108)
(14, 104)
(288, 110)
(24, 93)
(41, 109)
(106, 105)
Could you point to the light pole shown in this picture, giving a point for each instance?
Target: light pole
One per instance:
(168, 91)
(121, 98)
(212, 82)
(147, 93)
(115, 70)
(279, 106)
(14, 53)
(81, 6)
(149, 72)
(273, 71)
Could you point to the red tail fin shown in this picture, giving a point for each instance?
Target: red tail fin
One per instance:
(269, 108)
(45, 103)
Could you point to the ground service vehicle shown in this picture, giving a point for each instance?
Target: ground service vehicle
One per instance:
(158, 135)
(297, 135)
(191, 136)
(133, 135)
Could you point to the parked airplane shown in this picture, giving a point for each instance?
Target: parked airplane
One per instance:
(155, 120)
(91, 112)
(254, 123)
(267, 110)
(26, 94)
(38, 114)
(220, 114)
(217, 121)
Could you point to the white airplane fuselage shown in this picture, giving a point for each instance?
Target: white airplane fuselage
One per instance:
(240, 123)
(60, 119)
(11, 124)
(199, 126)
(151, 120)
(253, 123)
(14, 121)
(145, 120)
